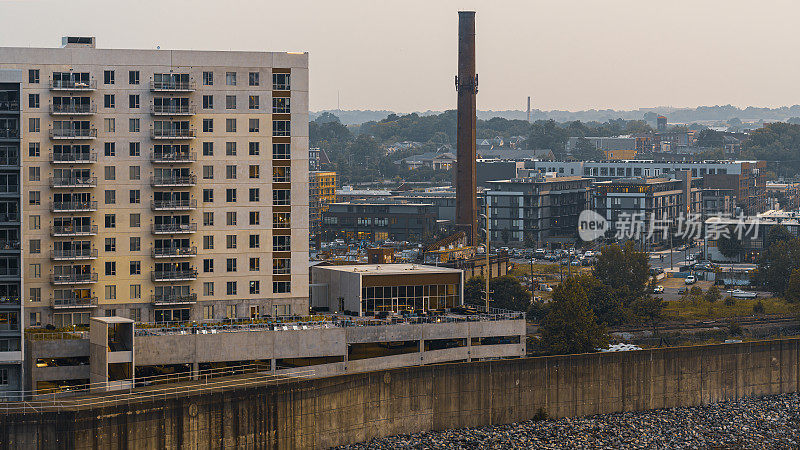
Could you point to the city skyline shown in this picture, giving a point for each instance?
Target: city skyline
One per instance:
(571, 55)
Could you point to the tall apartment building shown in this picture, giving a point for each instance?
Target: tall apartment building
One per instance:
(161, 185)
(321, 193)
(11, 308)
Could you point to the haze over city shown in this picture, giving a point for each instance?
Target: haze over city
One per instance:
(400, 56)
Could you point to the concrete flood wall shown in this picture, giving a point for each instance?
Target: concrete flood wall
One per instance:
(319, 413)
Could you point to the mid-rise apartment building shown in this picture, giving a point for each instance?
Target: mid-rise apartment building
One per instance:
(321, 193)
(379, 221)
(161, 185)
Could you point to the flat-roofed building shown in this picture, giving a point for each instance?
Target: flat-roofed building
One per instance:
(162, 185)
(379, 220)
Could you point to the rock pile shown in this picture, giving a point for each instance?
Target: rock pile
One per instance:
(766, 422)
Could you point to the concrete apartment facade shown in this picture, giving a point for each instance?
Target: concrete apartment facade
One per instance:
(162, 185)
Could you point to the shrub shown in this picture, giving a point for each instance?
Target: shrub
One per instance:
(729, 301)
(758, 308)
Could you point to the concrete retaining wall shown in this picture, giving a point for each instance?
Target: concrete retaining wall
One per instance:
(319, 413)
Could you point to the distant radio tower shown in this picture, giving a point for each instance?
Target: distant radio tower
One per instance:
(529, 109)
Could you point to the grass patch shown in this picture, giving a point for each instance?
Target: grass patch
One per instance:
(688, 309)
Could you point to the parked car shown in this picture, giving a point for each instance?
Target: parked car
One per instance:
(545, 287)
(683, 290)
(738, 293)
(658, 289)
(691, 279)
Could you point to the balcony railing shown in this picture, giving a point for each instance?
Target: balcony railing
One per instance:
(74, 278)
(174, 275)
(72, 109)
(9, 133)
(162, 181)
(73, 230)
(73, 158)
(73, 206)
(172, 110)
(9, 245)
(67, 303)
(9, 217)
(175, 157)
(73, 182)
(173, 205)
(9, 105)
(9, 161)
(73, 133)
(6, 301)
(9, 271)
(173, 133)
(6, 189)
(73, 254)
(173, 299)
(174, 252)
(166, 86)
(73, 85)
(174, 228)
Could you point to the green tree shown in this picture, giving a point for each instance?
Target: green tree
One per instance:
(776, 264)
(508, 293)
(778, 234)
(607, 304)
(570, 325)
(624, 269)
(585, 150)
(730, 246)
(792, 292)
(474, 291)
(713, 295)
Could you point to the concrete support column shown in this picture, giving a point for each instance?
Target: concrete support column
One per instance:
(469, 348)
(273, 363)
(422, 351)
(195, 370)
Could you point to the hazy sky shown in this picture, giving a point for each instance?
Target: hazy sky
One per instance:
(401, 55)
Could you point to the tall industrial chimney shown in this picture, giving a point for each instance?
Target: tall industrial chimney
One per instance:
(467, 87)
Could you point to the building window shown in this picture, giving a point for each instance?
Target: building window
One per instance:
(134, 125)
(108, 77)
(135, 244)
(230, 172)
(208, 78)
(136, 220)
(134, 149)
(133, 101)
(281, 220)
(281, 174)
(254, 194)
(110, 172)
(280, 105)
(230, 265)
(230, 78)
(208, 172)
(253, 79)
(36, 270)
(111, 268)
(111, 196)
(230, 102)
(208, 195)
(230, 241)
(255, 264)
(208, 149)
(254, 102)
(208, 102)
(230, 195)
(208, 312)
(230, 149)
(230, 287)
(208, 265)
(136, 313)
(208, 125)
(111, 292)
(281, 244)
(136, 267)
(108, 101)
(134, 172)
(253, 125)
(34, 125)
(281, 287)
(33, 100)
(254, 148)
(281, 266)
(133, 77)
(208, 219)
(110, 125)
(281, 197)
(280, 82)
(208, 242)
(281, 151)
(110, 244)
(231, 311)
(255, 287)
(230, 125)
(255, 241)
(33, 76)
(34, 149)
(36, 294)
(230, 218)
(35, 222)
(34, 198)
(111, 221)
(110, 149)
(281, 128)
(255, 218)
(35, 246)
(208, 288)
(34, 173)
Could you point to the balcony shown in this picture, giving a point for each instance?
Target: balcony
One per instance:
(73, 158)
(172, 86)
(73, 133)
(72, 110)
(9, 133)
(164, 300)
(73, 303)
(173, 133)
(73, 85)
(6, 190)
(9, 106)
(172, 110)
(9, 218)
(73, 254)
(73, 182)
(170, 181)
(174, 228)
(173, 158)
(74, 278)
(174, 275)
(9, 245)
(174, 252)
(173, 205)
(9, 161)
(9, 301)
(9, 272)
(73, 206)
(73, 230)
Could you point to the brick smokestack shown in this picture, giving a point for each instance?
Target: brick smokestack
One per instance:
(467, 87)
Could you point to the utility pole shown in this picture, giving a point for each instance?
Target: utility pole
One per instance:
(488, 267)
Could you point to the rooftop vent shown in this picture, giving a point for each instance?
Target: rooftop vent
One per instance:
(77, 41)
